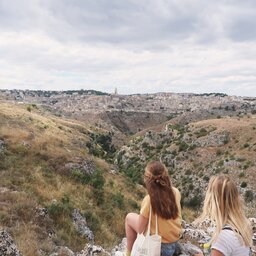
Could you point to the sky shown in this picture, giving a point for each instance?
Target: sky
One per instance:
(136, 46)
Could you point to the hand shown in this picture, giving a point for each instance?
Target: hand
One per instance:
(198, 254)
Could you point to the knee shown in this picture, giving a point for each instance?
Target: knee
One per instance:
(128, 217)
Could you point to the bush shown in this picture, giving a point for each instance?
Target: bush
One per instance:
(194, 202)
(241, 174)
(183, 146)
(118, 200)
(248, 196)
(98, 195)
(219, 152)
(243, 184)
(97, 180)
(246, 145)
(80, 176)
(92, 220)
(202, 132)
(206, 178)
(62, 208)
(133, 204)
(29, 108)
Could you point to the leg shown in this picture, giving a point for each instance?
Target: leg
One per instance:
(131, 229)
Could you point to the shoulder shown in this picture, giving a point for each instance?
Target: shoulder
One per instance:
(224, 242)
(145, 205)
(176, 192)
(145, 201)
(228, 241)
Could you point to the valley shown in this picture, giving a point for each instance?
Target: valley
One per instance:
(80, 155)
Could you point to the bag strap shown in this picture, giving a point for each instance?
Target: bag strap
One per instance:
(149, 222)
(156, 226)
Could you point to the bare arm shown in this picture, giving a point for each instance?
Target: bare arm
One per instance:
(215, 252)
(143, 222)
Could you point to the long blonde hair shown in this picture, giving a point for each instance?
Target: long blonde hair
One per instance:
(160, 190)
(224, 206)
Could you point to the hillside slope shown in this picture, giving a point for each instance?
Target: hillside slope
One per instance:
(47, 166)
(196, 151)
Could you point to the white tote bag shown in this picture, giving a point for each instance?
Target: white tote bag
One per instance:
(147, 245)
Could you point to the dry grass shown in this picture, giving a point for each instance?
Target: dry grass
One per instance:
(38, 145)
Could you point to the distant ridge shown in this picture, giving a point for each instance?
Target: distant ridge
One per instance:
(49, 93)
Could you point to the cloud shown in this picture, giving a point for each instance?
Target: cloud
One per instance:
(136, 46)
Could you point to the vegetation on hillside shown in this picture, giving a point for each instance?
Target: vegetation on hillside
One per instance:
(45, 162)
(57, 164)
(195, 152)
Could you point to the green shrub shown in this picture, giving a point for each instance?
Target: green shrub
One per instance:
(194, 202)
(118, 200)
(62, 208)
(188, 172)
(202, 132)
(249, 197)
(183, 146)
(97, 180)
(243, 184)
(92, 220)
(133, 204)
(98, 195)
(206, 178)
(241, 174)
(219, 152)
(246, 145)
(80, 176)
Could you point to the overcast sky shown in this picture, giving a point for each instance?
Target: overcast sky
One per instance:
(137, 46)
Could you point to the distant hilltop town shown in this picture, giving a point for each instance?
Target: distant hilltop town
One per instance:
(78, 101)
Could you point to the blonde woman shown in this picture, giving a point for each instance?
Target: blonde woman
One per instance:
(223, 205)
(165, 202)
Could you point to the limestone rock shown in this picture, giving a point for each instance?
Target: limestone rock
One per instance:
(63, 251)
(81, 225)
(190, 249)
(2, 146)
(92, 249)
(214, 139)
(7, 245)
(85, 166)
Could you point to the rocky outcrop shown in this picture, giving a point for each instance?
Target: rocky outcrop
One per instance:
(63, 251)
(214, 139)
(92, 249)
(85, 166)
(7, 245)
(198, 233)
(81, 225)
(2, 146)
(88, 250)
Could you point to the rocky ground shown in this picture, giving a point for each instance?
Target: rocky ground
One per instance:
(190, 243)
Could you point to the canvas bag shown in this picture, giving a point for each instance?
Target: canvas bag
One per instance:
(147, 245)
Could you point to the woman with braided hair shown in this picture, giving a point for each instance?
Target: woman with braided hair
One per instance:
(164, 200)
